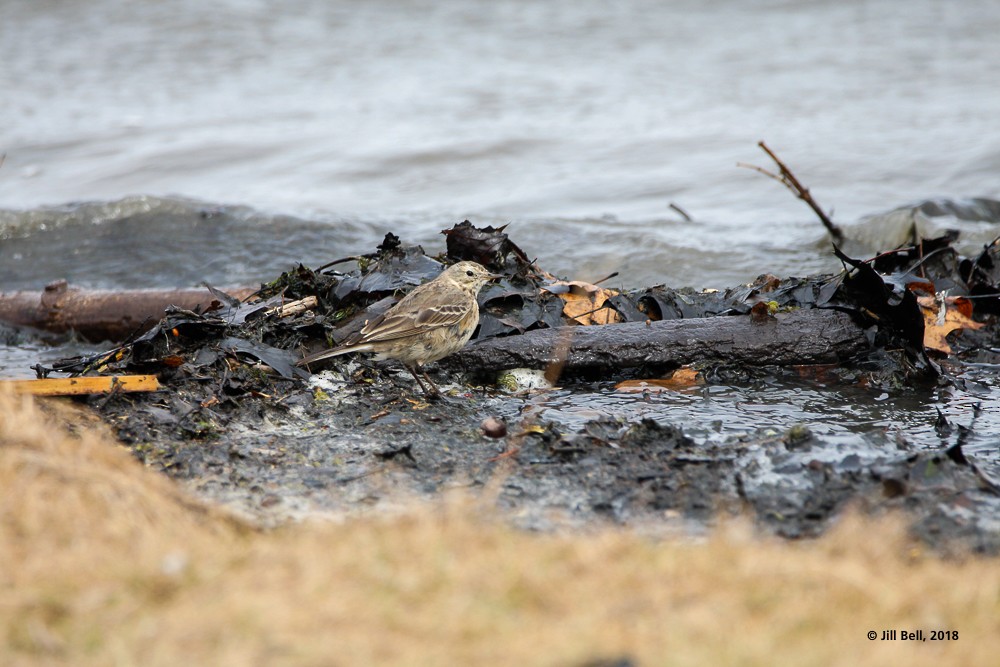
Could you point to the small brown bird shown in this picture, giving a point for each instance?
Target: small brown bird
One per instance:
(431, 322)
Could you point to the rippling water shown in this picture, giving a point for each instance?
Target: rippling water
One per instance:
(578, 122)
(225, 141)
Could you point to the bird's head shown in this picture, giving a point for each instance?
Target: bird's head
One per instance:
(470, 275)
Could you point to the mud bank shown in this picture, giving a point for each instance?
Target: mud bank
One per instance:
(343, 447)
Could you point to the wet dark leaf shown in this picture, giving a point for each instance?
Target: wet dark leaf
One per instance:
(930, 254)
(282, 361)
(955, 454)
(896, 311)
(514, 306)
(487, 245)
(661, 303)
(982, 278)
(389, 244)
(406, 451)
(243, 312)
(941, 425)
(626, 308)
(400, 270)
(828, 290)
(225, 299)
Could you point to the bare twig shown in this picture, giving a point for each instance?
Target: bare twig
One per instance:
(787, 178)
(682, 212)
(344, 259)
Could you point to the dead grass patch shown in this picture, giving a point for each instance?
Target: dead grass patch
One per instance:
(103, 562)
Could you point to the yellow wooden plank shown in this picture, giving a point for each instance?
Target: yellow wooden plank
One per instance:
(83, 385)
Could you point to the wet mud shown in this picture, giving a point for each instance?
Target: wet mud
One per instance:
(371, 443)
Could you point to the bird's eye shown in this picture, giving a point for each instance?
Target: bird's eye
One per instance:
(469, 273)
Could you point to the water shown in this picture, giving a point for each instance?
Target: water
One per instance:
(836, 413)
(578, 122)
(226, 141)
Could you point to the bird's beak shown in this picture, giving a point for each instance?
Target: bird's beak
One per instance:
(496, 276)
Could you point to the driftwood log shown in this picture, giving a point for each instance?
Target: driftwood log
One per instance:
(99, 315)
(808, 336)
(800, 337)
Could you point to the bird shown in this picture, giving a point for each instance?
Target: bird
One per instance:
(432, 321)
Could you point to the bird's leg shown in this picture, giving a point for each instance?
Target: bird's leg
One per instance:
(416, 377)
(434, 393)
(427, 377)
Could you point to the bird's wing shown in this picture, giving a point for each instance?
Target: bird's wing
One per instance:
(393, 326)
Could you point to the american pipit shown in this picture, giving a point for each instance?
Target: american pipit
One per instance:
(431, 322)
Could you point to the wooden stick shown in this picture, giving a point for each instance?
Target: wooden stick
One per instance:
(294, 307)
(82, 385)
(682, 212)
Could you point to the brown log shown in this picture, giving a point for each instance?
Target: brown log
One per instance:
(800, 337)
(100, 315)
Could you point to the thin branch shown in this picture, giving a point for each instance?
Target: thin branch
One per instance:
(788, 179)
(761, 170)
(344, 259)
(682, 212)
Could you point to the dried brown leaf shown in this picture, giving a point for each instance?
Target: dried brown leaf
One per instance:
(941, 317)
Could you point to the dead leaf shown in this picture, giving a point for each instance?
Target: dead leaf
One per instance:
(763, 311)
(683, 379)
(172, 360)
(941, 317)
(584, 302)
(819, 373)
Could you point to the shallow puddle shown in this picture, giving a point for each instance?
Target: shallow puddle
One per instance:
(849, 415)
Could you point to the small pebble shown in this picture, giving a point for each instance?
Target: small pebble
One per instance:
(493, 427)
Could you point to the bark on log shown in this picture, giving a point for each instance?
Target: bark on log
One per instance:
(99, 315)
(801, 337)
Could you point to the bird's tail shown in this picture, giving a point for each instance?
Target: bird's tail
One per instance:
(332, 352)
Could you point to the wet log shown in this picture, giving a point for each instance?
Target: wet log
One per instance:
(801, 337)
(100, 315)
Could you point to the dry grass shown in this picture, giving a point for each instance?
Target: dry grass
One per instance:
(105, 563)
